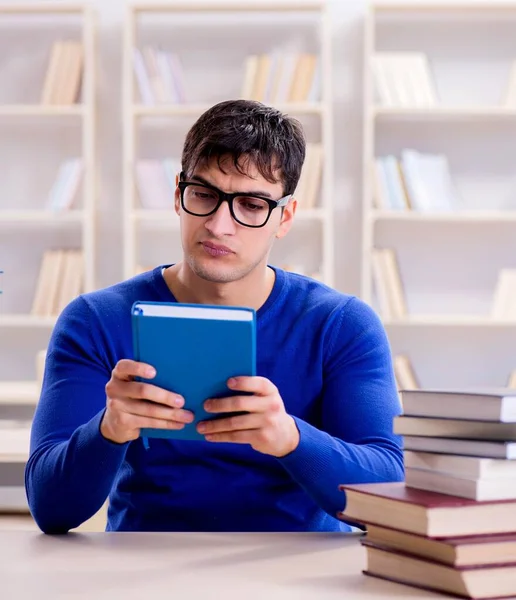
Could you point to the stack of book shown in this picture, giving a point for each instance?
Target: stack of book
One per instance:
(451, 526)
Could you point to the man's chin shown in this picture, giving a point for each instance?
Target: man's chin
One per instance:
(215, 273)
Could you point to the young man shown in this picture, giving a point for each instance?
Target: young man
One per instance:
(321, 409)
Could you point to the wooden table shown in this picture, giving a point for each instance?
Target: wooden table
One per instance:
(155, 566)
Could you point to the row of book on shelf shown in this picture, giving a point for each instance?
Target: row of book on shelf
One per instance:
(391, 297)
(405, 80)
(416, 181)
(155, 180)
(451, 525)
(277, 77)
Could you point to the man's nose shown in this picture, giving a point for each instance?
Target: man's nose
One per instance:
(221, 222)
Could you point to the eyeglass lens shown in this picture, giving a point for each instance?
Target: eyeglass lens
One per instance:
(201, 201)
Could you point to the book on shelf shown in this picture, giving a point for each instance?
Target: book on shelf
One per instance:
(503, 305)
(159, 76)
(403, 80)
(416, 181)
(281, 78)
(404, 372)
(308, 189)
(388, 283)
(60, 280)
(156, 182)
(64, 190)
(508, 98)
(63, 78)
(511, 383)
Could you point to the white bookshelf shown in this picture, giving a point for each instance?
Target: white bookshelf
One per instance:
(52, 21)
(242, 28)
(448, 260)
(47, 133)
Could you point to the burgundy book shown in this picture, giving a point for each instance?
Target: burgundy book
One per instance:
(425, 513)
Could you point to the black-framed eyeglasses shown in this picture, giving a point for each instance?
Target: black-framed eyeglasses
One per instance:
(203, 200)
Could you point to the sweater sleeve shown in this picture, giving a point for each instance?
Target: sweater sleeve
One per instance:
(71, 467)
(355, 442)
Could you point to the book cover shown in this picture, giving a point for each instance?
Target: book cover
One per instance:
(195, 349)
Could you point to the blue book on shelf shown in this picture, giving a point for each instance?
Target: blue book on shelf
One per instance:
(195, 349)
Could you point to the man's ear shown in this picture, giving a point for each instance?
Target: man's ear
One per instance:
(287, 218)
(177, 196)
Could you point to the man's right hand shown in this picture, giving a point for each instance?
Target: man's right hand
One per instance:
(132, 405)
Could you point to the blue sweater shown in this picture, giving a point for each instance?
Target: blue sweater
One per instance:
(326, 352)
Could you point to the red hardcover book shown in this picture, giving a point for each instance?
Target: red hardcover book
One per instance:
(425, 513)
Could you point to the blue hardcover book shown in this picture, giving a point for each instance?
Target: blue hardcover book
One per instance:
(195, 349)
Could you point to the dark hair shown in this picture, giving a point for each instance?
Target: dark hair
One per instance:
(249, 130)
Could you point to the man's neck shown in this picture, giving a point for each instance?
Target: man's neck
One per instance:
(187, 287)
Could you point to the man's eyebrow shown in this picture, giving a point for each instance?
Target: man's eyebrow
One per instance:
(247, 193)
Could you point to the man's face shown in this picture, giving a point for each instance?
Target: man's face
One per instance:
(219, 249)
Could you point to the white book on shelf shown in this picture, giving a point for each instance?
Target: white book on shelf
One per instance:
(314, 93)
(389, 164)
(66, 185)
(504, 297)
(288, 67)
(509, 97)
(176, 69)
(404, 372)
(273, 78)
(428, 181)
(381, 285)
(167, 77)
(250, 69)
(403, 79)
(157, 84)
(142, 79)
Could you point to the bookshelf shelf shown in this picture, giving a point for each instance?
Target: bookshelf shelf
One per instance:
(20, 321)
(19, 392)
(461, 217)
(42, 7)
(195, 110)
(444, 113)
(41, 217)
(438, 204)
(249, 6)
(449, 321)
(37, 110)
(177, 93)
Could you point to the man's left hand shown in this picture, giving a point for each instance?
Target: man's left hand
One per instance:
(267, 427)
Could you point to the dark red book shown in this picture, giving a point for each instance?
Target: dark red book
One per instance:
(425, 513)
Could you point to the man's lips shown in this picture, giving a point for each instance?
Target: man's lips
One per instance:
(216, 249)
